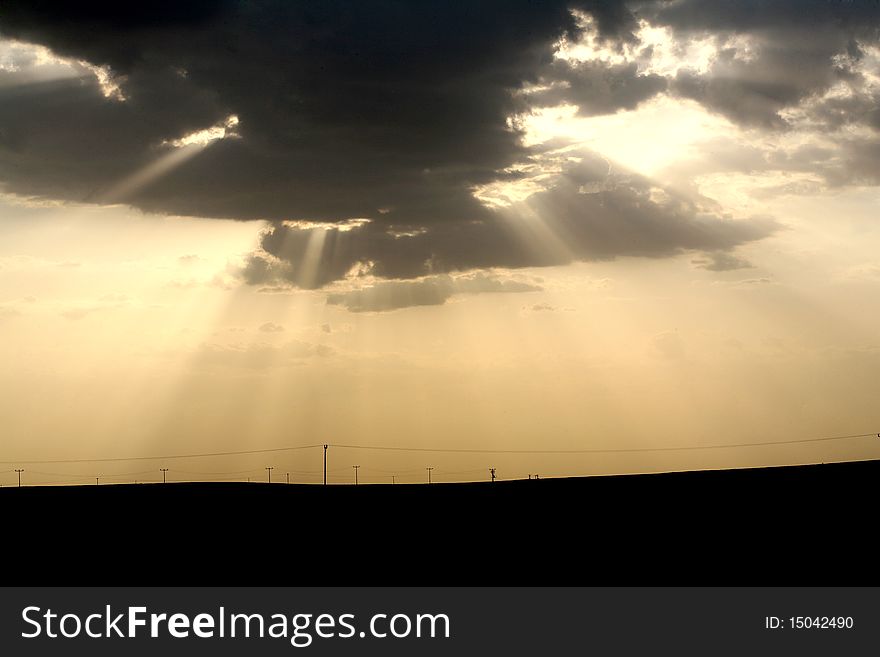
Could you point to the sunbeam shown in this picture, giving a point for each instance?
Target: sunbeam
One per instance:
(180, 151)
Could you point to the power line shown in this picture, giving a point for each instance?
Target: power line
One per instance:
(168, 456)
(231, 472)
(601, 451)
(76, 476)
(448, 450)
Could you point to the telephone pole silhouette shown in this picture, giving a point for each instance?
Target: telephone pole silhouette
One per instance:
(288, 478)
(492, 474)
(269, 470)
(19, 471)
(356, 468)
(429, 474)
(163, 471)
(96, 480)
(325, 464)
(392, 480)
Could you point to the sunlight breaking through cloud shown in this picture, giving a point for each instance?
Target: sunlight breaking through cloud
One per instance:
(32, 63)
(222, 130)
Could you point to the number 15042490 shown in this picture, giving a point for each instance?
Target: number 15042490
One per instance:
(809, 622)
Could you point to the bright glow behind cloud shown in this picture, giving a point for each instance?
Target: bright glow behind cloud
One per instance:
(222, 130)
(31, 63)
(656, 50)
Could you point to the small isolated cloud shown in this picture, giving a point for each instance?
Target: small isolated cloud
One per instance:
(721, 261)
(218, 281)
(271, 327)
(669, 345)
(257, 356)
(745, 283)
(78, 313)
(181, 284)
(107, 302)
(12, 308)
(188, 259)
(6, 312)
(430, 291)
(543, 307)
(114, 298)
(868, 272)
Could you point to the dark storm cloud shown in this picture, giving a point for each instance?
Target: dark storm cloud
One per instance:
(756, 15)
(391, 111)
(346, 107)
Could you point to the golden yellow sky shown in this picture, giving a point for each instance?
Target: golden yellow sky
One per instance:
(152, 347)
(129, 334)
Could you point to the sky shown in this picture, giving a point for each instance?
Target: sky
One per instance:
(497, 226)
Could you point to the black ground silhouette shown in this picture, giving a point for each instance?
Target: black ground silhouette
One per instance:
(806, 525)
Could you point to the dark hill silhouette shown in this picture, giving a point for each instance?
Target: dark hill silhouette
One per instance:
(805, 524)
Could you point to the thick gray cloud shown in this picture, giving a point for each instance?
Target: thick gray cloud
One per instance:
(395, 112)
(596, 87)
(586, 214)
(783, 70)
(346, 108)
(796, 50)
(757, 15)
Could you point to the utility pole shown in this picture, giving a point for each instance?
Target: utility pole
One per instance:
(356, 468)
(96, 480)
(288, 478)
(19, 471)
(269, 470)
(392, 480)
(429, 474)
(492, 473)
(163, 471)
(325, 464)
